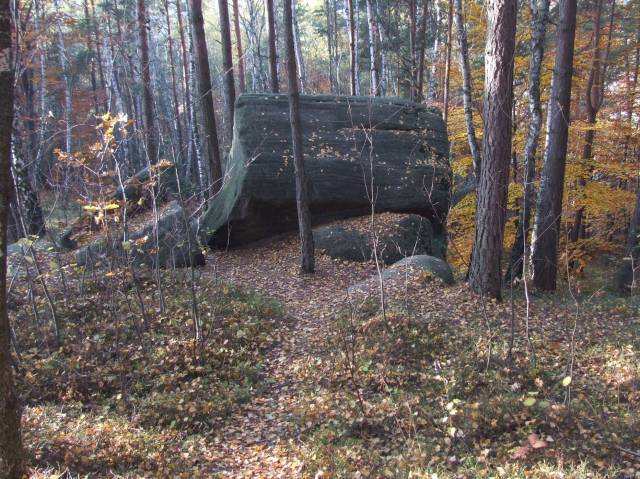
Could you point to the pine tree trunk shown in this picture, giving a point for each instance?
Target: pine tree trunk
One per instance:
(546, 229)
(150, 134)
(302, 200)
(273, 54)
(228, 85)
(206, 95)
(484, 272)
(467, 88)
(539, 19)
(11, 453)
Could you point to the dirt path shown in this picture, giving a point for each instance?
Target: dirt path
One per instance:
(256, 440)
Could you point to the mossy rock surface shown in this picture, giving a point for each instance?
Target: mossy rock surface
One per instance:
(356, 150)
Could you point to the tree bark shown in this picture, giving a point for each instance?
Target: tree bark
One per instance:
(229, 89)
(467, 88)
(546, 229)
(302, 199)
(484, 273)
(206, 95)
(273, 53)
(11, 452)
(539, 19)
(151, 138)
(239, 52)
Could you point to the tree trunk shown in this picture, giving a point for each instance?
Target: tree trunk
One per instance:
(273, 53)
(467, 87)
(11, 453)
(229, 89)
(353, 45)
(98, 44)
(67, 82)
(539, 19)
(174, 83)
(330, 44)
(206, 95)
(422, 42)
(447, 68)
(413, 71)
(546, 229)
(484, 272)
(302, 200)
(150, 134)
(373, 49)
(236, 27)
(186, 85)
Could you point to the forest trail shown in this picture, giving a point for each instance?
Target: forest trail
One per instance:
(256, 440)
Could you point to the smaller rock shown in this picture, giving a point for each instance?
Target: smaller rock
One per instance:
(421, 263)
(177, 245)
(408, 269)
(399, 236)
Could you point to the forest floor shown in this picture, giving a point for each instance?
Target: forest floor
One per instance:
(298, 378)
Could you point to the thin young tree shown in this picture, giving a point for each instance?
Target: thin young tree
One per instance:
(273, 53)
(539, 19)
(546, 228)
(228, 85)
(302, 196)
(11, 453)
(206, 95)
(150, 134)
(466, 87)
(484, 273)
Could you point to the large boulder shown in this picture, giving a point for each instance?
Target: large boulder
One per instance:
(356, 149)
(176, 245)
(398, 236)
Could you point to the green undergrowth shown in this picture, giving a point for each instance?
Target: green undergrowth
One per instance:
(139, 400)
(412, 394)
